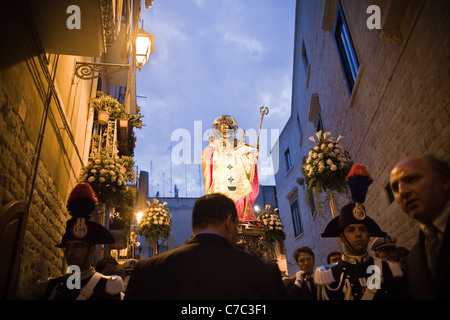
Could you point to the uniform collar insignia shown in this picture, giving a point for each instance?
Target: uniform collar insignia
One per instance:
(355, 259)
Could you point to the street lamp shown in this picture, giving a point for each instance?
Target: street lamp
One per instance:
(134, 233)
(92, 70)
(139, 216)
(144, 46)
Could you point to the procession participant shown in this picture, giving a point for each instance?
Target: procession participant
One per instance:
(126, 269)
(78, 242)
(107, 266)
(421, 187)
(385, 248)
(230, 167)
(333, 257)
(301, 286)
(358, 276)
(208, 266)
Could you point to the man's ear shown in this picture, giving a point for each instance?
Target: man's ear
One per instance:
(342, 239)
(231, 229)
(230, 223)
(92, 250)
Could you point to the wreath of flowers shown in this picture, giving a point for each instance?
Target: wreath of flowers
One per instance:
(106, 175)
(156, 221)
(274, 226)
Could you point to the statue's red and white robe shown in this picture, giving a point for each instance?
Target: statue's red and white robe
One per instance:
(231, 169)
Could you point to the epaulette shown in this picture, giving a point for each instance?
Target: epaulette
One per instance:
(323, 275)
(114, 284)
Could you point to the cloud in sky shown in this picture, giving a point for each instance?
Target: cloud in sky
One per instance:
(253, 46)
(211, 58)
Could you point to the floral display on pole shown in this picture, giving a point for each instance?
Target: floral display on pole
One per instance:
(156, 222)
(106, 175)
(326, 167)
(274, 227)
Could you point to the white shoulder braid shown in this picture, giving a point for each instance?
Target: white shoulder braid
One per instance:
(323, 275)
(114, 285)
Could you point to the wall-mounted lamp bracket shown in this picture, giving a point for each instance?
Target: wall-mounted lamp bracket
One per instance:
(91, 70)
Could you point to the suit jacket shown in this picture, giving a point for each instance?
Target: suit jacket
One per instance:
(295, 292)
(421, 283)
(207, 267)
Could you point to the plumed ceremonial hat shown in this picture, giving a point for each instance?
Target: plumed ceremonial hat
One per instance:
(81, 203)
(358, 181)
(347, 216)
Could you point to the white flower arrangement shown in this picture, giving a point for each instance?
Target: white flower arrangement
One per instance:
(106, 176)
(327, 165)
(270, 219)
(274, 226)
(325, 170)
(156, 221)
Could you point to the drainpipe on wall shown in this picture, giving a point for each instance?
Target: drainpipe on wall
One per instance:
(38, 149)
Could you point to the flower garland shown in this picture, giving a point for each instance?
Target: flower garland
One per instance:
(106, 176)
(156, 221)
(274, 226)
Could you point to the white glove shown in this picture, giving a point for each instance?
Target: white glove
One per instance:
(299, 278)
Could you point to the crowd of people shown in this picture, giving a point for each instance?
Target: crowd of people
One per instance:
(209, 266)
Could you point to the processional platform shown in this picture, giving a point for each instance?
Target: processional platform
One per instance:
(252, 239)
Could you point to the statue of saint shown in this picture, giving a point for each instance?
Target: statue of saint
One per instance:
(230, 168)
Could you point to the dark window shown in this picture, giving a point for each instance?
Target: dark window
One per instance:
(304, 57)
(319, 124)
(389, 193)
(287, 157)
(296, 222)
(346, 50)
(314, 108)
(300, 132)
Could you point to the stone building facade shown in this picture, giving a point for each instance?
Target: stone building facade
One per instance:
(45, 127)
(396, 105)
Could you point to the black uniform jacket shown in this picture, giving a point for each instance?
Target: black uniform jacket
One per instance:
(358, 274)
(57, 289)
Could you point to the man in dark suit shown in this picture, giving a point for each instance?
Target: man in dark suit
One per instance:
(421, 187)
(301, 286)
(208, 266)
